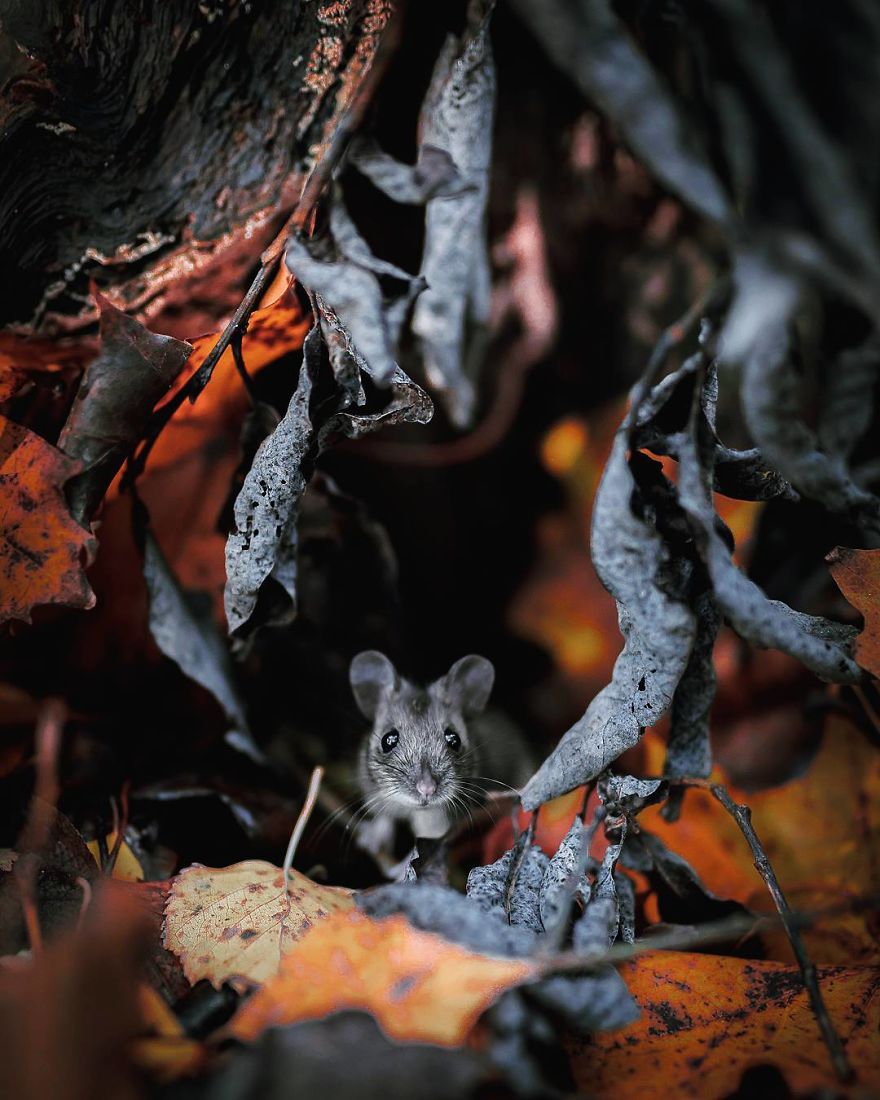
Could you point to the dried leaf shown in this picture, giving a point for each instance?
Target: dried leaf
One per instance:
(43, 550)
(457, 918)
(183, 628)
(857, 575)
(684, 1043)
(588, 42)
(264, 542)
(820, 832)
(419, 988)
(823, 646)
(235, 924)
(456, 118)
(117, 394)
(565, 876)
(659, 631)
(771, 396)
(434, 174)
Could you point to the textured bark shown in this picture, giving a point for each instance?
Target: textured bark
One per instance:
(141, 141)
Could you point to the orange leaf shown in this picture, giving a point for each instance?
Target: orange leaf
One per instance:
(706, 1019)
(41, 547)
(234, 924)
(857, 574)
(419, 987)
(821, 832)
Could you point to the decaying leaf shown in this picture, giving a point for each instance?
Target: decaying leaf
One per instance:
(264, 542)
(235, 924)
(659, 630)
(590, 44)
(434, 174)
(118, 392)
(42, 549)
(706, 1020)
(857, 575)
(184, 630)
(418, 987)
(456, 118)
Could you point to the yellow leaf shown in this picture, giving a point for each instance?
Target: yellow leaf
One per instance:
(234, 924)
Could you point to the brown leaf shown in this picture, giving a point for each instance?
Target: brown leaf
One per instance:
(419, 987)
(42, 549)
(857, 575)
(706, 1019)
(234, 924)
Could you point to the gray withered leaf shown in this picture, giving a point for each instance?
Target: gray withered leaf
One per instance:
(134, 369)
(823, 646)
(585, 1003)
(522, 889)
(589, 43)
(626, 794)
(689, 752)
(848, 397)
(626, 906)
(596, 928)
(565, 876)
(460, 920)
(263, 542)
(434, 174)
(183, 628)
(354, 294)
(658, 631)
(456, 118)
(759, 340)
(743, 475)
(485, 885)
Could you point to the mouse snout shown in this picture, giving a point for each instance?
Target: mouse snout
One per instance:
(426, 784)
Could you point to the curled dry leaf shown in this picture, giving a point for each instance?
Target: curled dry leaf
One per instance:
(684, 1043)
(456, 118)
(419, 987)
(857, 575)
(235, 924)
(42, 549)
(117, 394)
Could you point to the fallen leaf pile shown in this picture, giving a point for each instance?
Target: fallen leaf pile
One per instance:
(547, 331)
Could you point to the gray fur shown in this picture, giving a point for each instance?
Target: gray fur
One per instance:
(422, 717)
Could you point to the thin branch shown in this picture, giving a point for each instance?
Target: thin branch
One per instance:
(735, 926)
(301, 822)
(742, 815)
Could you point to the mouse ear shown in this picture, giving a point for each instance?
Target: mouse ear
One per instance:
(372, 676)
(468, 684)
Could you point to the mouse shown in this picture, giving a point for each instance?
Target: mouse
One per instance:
(431, 753)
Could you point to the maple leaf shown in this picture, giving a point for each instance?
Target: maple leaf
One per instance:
(42, 549)
(234, 924)
(857, 575)
(419, 987)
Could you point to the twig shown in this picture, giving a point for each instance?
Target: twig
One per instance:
(682, 939)
(524, 842)
(120, 824)
(317, 180)
(301, 822)
(38, 826)
(742, 815)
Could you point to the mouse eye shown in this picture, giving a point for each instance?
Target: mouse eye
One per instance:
(452, 740)
(389, 740)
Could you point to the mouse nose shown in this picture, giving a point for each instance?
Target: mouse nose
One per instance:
(426, 785)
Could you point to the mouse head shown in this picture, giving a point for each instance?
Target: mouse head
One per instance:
(420, 747)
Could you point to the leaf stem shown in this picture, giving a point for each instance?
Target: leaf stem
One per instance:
(301, 822)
